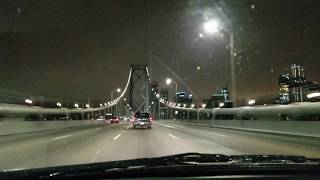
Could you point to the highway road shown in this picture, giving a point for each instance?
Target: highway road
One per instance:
(118, 142)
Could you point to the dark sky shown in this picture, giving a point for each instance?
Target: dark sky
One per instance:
(70, 49)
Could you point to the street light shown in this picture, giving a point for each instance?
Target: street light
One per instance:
(76, 105)
(251, 102)
(221, 104)
(59, 104)
(169, 81)
(313, 95)
(100, 105)
(203, 105)
(212, 27)
(192, 105)
(87, 105)
(28, 101)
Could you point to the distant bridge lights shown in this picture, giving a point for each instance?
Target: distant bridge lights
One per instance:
(100, 105)
(251, 102)
(105, 104)
(59, 104)
(313, 95)
(28, 101)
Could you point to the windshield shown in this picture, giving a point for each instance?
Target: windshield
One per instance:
(232, 77)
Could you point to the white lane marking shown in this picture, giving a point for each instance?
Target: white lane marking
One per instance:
(117, 137)
(98, 151)
(172, 136)
(218, 134)
(60, 137)
(168, 126)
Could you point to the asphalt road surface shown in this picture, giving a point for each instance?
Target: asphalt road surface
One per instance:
(119, 142)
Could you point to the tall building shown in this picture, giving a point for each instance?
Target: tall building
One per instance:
(284, 85)
(296, 83)
(293, 87)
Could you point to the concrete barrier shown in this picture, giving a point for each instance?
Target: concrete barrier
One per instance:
(297, 128)
(14, 125)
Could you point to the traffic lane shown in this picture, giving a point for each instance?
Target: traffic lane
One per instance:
(141, 143)
(248, 142)
(118, 143)
(16, 138)
(40, 151)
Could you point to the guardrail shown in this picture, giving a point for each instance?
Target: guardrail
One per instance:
(297, 128)
(16, 125)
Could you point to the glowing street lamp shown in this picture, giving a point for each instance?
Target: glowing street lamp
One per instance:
(76, 105)
(192, 105)
(28, 101)
(213, 27)
(313, 95)
(169, 81)
(221, 104)
(87, 105)
(59, 104)
(251, 102)
(203, 105)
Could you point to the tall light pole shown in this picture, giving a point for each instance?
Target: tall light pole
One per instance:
(111, 98)
(212, 27)
(169, 81)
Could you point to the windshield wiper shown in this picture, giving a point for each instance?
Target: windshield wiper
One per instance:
(179, 160)
(271, 159)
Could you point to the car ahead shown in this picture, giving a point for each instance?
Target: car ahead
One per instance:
(114, 120)
(183, 166)
(141, 120)
(101, 118)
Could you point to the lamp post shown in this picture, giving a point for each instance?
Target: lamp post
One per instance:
(169, 81)
(213, 27)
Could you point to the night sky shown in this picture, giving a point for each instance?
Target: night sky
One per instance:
(72, 49)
